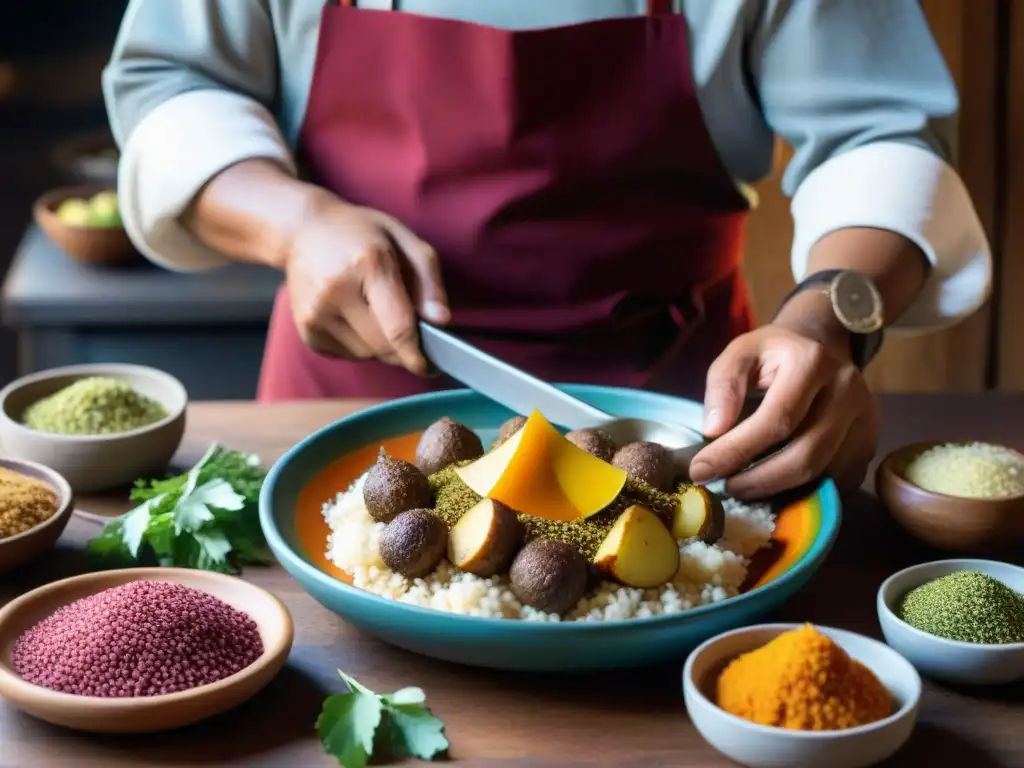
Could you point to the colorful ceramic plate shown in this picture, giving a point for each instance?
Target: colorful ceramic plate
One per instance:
(328, 460)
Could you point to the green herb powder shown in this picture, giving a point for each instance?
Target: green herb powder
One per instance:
(967, 606)
(93, 406)
(453, 498)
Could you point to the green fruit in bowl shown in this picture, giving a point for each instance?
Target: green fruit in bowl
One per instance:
(104, 211)
(75, 212)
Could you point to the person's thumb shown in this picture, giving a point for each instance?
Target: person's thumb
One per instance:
(427, 287)
(726, 389)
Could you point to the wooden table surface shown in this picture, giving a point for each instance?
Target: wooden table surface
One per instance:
(634, 718)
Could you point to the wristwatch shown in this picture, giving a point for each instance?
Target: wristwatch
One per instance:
(857, 305)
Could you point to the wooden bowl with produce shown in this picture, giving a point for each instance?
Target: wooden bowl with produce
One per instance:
(86, 223)
(963, 497)
(35, 505)
(100, 425)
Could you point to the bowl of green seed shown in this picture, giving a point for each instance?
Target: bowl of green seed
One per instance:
(961, 621)
(99, 425)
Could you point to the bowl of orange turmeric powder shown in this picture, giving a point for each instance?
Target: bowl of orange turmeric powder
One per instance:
(800, 695)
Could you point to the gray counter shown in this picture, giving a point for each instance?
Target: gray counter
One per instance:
(207, 329)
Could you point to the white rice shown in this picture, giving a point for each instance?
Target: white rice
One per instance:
(707, 573)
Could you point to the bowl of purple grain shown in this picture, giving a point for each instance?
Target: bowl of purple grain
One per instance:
(140, 650)
(35, 505)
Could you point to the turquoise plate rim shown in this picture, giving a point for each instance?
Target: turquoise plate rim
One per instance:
(826, 493)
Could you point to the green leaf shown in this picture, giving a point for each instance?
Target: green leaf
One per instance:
(214, 544)
(108, 550)
(402, 725)
(347, 725)
(135, 524)
(193, 510)
(407, 696)
(411, 729)
(160, 536)
(205, 518)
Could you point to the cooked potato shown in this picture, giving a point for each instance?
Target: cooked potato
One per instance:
(699, 513)
(639, 551)
(485, 540)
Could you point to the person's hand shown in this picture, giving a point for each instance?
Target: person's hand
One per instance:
(358, 281)
(813, 395)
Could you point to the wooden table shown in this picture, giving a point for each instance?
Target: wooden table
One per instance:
(624, 719)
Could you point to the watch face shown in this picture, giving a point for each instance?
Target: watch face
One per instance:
(857, 302)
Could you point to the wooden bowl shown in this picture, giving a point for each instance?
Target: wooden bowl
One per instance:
(96, 462)
(22, 548)
(144, 714)
(89, 245)
(947, 522)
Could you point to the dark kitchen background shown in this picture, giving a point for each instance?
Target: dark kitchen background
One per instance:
(51, 54)
(208, 329)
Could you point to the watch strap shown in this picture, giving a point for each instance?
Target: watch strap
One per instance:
(863, 346)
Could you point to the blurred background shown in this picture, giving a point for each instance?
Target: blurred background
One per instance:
(208, 330)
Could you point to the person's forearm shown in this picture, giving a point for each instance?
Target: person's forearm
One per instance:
(251, 212)
(896, 265)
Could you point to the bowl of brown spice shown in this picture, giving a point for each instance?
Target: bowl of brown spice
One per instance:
(35, 505)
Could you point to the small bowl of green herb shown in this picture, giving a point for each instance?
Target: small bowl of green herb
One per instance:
(100, 425)
(961, 621)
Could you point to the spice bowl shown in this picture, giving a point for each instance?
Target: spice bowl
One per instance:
(22, 548)
(952, 523)
(143, 714)
(937, 657)
(761, 746)
(95, 462)
(98, 245)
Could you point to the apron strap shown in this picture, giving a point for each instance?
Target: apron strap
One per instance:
(659, 7)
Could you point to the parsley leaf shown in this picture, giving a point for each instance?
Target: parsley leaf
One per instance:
(206, 518)
(353, 725)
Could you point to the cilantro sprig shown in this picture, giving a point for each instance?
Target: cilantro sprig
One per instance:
(206, 518)
(357, 725)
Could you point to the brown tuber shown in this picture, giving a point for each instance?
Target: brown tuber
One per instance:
(594, 441)
(393, 486)
(413, 543)
(549, 575)
(650, 463)
(446, 442)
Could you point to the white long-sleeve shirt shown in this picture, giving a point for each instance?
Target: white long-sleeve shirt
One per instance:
(857, 87)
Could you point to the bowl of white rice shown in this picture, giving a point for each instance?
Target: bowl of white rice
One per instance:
(456, 616)
(956, 496)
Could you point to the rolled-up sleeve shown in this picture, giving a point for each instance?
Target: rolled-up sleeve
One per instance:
(188, 91)
(861, 92)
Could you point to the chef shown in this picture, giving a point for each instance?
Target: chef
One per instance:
(565, 184)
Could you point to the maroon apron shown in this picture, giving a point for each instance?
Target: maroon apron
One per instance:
(586, 228)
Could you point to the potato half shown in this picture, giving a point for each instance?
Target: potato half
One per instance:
(698, 513)
(485, 540)
(639, 550)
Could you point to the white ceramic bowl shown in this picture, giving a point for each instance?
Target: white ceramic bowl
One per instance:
(95, 462)
(760, 746)
(937, 657)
